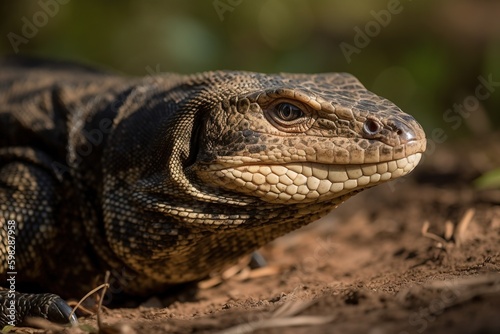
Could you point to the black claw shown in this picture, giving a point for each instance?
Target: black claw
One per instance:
(60, 312)
(257, 261)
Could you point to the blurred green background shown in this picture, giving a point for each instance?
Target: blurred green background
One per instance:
(426, 56)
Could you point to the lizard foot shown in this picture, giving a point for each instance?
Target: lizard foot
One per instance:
(15, 307)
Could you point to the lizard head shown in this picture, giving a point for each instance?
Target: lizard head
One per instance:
(297, 138)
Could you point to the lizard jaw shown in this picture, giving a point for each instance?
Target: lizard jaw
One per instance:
(303, 182)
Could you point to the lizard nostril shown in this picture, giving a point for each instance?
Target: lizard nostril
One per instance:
(404, 132)
(371, 127)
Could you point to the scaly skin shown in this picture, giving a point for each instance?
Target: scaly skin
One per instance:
(165, 179)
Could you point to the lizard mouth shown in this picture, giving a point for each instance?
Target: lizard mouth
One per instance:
(302, 182)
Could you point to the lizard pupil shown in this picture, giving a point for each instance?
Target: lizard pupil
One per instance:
(288, 112)
(371, 127)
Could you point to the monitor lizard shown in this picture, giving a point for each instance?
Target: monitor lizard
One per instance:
(163, 179)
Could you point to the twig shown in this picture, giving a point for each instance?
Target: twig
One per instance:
(103, 286)
(462, 226)
(435, 237)
(99, 306)
(457, 232)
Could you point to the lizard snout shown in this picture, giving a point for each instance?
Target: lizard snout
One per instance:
(405, 132)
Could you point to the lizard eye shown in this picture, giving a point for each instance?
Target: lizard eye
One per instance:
(288, 112)
(288, 117)
(371, 127)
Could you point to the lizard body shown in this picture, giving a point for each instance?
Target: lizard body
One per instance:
(167, 178)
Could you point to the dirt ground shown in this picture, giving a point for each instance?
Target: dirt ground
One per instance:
(416, 256)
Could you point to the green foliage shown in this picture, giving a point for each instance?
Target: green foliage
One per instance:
(88, 328)
(7, 329)
(489, 180)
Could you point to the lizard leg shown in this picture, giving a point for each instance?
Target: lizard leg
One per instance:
(28, 233)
